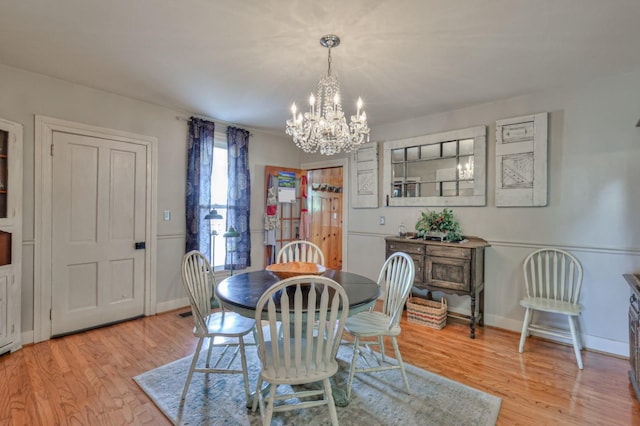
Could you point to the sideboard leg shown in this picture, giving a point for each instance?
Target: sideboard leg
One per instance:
(481, 309)
(472, 324)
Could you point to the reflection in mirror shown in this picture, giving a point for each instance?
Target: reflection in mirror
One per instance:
(440, 170)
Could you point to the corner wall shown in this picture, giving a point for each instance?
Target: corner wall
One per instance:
(593, 209)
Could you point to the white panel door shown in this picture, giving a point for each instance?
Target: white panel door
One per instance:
(98, 214)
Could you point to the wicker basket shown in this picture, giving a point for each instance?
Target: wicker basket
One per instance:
(427, 312)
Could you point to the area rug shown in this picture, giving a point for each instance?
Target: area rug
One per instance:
(377, 398)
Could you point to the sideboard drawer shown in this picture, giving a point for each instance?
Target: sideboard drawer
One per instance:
(458, 253)
(406, 247)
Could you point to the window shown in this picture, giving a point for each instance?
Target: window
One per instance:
(219, 185)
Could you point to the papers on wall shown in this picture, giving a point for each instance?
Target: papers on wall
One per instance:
(286, 187)
(286, 195)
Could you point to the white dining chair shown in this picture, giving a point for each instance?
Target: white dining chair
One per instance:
(299, 355)
(395, 280)
(199, 283)
(300, 251)
(553, 279)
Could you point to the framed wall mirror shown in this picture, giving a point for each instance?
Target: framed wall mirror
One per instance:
(442, 169)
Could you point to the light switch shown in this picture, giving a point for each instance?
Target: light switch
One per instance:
(381, 220)
(167, 215)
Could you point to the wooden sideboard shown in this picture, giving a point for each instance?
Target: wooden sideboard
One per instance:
(634, 329)
(452, 268)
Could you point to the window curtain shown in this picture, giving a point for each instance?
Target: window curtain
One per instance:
(198, 197)
(238, 196)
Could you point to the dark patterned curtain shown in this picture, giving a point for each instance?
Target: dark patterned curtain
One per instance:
(238, 196)
(199, 164)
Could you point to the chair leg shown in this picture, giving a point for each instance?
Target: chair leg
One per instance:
(211, 340)
(256, 395)
(381, 344)
(243, 359)
(191, 368)
(352, 370)
(525, 329)
(574, 337)
(400, 363)
(579, 333)
(272, 400)
(328, 393)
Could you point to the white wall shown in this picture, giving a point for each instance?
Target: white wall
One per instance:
(593, 209)
(24, 94)
(594, 194)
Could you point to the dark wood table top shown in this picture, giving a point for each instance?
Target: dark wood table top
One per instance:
(240, 293)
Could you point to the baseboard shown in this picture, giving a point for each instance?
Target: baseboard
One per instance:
(27, 337)
(597, 344)
(172, 305)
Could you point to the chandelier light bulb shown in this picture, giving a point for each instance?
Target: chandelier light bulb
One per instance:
(326, 128)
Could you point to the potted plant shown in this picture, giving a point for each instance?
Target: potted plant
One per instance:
(439, 225)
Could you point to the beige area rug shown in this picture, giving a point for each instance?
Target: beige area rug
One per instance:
(376, 398)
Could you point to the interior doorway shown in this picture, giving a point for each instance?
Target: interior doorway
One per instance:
(325, 213)
(320, 190)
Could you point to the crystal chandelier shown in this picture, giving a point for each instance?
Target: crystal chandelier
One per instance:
(325, 127)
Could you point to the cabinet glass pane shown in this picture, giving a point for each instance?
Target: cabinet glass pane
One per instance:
(397, 155)
(4, 184)
(5, 248)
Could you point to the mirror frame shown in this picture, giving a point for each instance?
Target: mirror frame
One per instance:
(479, 197)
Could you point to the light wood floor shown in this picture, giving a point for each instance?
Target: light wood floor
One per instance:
(85, 379)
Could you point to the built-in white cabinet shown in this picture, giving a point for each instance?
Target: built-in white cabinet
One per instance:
(10, 234)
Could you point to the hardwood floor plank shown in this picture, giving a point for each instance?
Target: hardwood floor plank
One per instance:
(87, 378)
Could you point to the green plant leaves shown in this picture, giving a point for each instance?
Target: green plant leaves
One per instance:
(444, 221)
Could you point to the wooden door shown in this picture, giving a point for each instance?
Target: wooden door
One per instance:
(98, 215)
(325, 213)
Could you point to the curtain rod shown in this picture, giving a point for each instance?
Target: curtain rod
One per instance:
(225, 123)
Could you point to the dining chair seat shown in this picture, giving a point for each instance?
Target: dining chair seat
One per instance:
(550, 305)
(228, 323)
(373, 323)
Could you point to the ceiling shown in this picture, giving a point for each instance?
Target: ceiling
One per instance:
(245, 62)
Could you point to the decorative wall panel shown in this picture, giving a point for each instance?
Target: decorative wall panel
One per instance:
(521, 161)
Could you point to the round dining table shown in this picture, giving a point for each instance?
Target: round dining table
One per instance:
(240, 293)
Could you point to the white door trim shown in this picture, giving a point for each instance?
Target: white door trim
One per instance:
(344, 163)
(44, 128)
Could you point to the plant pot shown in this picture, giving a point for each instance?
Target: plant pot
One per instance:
(435, 235)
